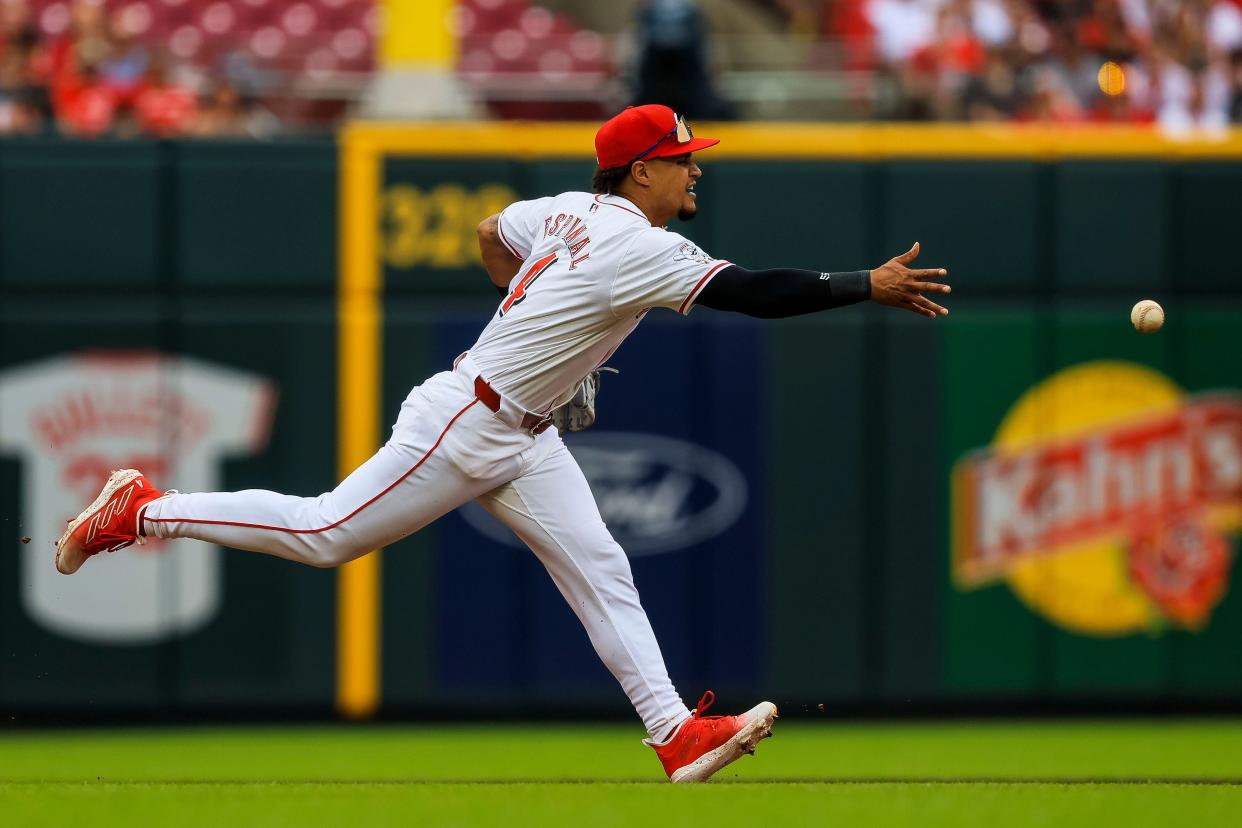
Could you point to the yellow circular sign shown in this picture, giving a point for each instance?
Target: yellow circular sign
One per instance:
(1086, 586)
(1104, 500)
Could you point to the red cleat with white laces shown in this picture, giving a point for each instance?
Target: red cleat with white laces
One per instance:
(702, 745)
(108, 524)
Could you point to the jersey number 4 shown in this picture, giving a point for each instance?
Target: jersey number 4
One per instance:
(532, 273)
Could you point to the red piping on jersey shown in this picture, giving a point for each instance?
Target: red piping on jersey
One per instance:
(505, 241)
(700, 285)
(394, 484)
(619, 207)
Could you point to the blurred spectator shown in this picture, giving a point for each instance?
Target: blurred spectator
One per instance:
(89, 39)
(1050, 101)
(992, 94)
(991, 20)
(1077, 65)
(672, 62)
(222, 113)
(902, 27)
(1224, 27)
(226, 113)
(84, 103)
(123, 66)
(84, 106)
(1235, 70)
(1193, 97)
(163, 108)
(24, 106)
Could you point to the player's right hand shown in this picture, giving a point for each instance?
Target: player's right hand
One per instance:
(896, 285)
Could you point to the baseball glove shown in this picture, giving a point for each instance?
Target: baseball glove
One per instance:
(579, 413)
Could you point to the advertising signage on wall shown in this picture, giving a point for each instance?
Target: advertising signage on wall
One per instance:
(1105, 501)
(71, 420)
(656, 493)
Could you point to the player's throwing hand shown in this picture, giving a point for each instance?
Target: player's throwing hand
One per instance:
(896, 285)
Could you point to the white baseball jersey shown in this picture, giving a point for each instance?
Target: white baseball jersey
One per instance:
(592, 267)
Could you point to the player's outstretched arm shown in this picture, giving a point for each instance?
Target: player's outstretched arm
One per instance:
(501, 265)
(782, 292)
(896, 285)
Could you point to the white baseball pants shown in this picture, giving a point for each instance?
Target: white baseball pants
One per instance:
(448, 448)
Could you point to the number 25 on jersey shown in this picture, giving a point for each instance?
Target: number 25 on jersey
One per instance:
(528, 278)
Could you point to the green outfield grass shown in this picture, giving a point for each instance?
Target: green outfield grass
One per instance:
(811, 773)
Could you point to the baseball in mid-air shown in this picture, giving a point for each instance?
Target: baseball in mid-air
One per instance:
(1147, 316)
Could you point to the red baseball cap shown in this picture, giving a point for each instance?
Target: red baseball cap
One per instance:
(649, 131)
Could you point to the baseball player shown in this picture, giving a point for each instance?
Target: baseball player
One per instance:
(578, 272)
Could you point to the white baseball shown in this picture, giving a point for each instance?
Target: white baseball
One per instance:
(1147, 316)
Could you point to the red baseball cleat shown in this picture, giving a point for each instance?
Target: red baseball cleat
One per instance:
(702, 745)
(108, 524)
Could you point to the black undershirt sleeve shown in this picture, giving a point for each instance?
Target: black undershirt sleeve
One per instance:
(783, 291)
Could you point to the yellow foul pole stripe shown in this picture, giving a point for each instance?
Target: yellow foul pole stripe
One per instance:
(417, 32)
(359, 316)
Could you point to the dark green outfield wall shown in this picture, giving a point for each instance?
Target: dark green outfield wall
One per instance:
(224, 254)
(845, 427)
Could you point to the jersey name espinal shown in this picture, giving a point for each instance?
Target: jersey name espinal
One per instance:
(592, 266)
(573, 230)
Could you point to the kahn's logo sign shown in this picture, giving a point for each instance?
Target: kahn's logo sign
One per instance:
(1047, 496)
(1105, 501)
(656, 494)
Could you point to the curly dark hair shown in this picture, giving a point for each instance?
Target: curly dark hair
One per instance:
(606, 181)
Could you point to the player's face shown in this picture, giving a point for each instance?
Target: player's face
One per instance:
(675, 180)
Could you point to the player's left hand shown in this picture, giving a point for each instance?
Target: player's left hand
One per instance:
(896, 285)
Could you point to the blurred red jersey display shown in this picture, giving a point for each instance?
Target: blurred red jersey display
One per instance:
(71, 420)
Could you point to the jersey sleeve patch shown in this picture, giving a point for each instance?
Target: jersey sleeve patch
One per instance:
(662, 269)
(687, 252)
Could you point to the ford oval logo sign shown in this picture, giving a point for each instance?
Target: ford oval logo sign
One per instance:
(656, 494)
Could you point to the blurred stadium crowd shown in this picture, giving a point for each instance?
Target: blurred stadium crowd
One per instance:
(256, 67)
(1177, 62)
(178, 67)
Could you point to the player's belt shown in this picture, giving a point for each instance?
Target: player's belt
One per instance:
(534, 423)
